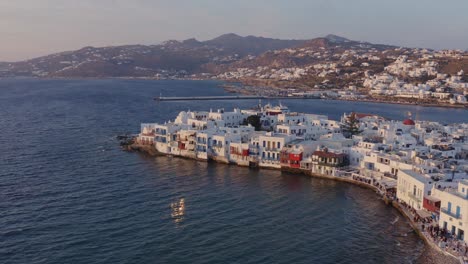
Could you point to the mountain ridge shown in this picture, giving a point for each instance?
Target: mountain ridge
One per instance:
(184, 58)
(189, 41)
(138, 60)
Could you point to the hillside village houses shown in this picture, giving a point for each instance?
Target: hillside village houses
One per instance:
(440, 86)
(426, 162)
(414, 74)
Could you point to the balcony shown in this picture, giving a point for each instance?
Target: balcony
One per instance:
(326, 164)
(254, 152)
(272, 149)
(414, 197)
(270, 161)
(451, 214)
(190, 147)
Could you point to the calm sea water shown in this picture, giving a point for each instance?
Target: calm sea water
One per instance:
(68, 194)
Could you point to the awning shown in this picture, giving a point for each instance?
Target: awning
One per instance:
(432, 198)
(423, 213)
(389, 184)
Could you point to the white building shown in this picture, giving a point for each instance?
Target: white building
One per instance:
(233, 118)
(270, 148)
(412, 187)
(454, 209)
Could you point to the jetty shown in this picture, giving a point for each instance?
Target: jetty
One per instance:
(229, 97)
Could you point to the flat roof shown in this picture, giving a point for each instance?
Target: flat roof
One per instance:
(415, 175)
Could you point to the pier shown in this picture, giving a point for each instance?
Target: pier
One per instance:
(228, 97)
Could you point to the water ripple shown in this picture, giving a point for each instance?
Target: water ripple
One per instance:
(68, 194)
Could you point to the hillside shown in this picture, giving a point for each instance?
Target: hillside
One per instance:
(171, 57)
(330, 63)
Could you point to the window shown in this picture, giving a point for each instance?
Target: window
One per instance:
(279, 145)
(449, 207)
(461, 234)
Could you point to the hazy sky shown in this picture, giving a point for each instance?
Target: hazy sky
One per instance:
(30, 28)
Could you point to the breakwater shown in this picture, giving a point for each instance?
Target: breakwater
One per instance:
(228, 97)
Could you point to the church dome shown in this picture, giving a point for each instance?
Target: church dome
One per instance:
(408, 122)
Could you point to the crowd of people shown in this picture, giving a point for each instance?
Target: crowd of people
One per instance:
(389, 193)
(444, 239)
(427, 225)
(363, 179)
(439, 236)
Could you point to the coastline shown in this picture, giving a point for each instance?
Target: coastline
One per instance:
(233, 89)
(229, 89)
(149, 150)
(404, 103)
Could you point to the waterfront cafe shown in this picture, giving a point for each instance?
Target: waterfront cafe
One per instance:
(423, 214)
(431, 203)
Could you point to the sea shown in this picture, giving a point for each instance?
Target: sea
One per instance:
(69, 194)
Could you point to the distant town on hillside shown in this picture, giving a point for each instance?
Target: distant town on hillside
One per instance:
(331, 67)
